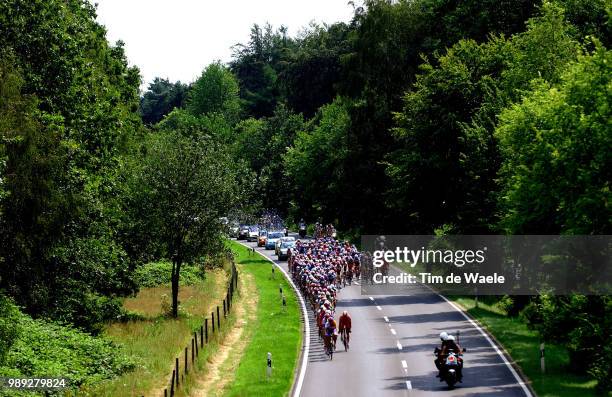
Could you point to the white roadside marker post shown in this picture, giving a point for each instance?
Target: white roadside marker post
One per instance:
(542, 359)
(269, 366)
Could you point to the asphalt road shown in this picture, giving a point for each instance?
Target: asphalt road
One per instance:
(391, 351)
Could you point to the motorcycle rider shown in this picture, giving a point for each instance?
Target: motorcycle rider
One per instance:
(448, 344)
(438, 362)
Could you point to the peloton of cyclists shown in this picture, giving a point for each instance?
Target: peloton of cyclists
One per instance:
(317, 267)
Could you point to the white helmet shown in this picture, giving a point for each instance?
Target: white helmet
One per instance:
(443, 336)
(450, 337)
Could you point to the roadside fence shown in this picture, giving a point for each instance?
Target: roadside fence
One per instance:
(183, 365)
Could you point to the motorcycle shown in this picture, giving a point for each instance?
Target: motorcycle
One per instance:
(302, 230)
(451, 368)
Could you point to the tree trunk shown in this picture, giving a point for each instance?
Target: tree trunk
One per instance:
(176, 271)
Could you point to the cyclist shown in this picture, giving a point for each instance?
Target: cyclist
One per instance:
(345, 328)
(330, 332)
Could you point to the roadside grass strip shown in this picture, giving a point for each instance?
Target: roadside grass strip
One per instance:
(277, 330)
(523, 345)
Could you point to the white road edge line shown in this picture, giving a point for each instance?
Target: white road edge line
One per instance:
(393, 331)
(372, 299)
(495, 347)
(378, 307)
(386, 319)
(302, 375)
(408, 385)
(404, 364)
(399, 346)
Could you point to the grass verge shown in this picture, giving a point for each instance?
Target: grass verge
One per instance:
(523, 345)
(276, 330)
(156, 339)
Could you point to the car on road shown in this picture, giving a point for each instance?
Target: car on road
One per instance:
(253, 233)
(272, 238)
(283, 250)
(243, 232)
(263, 236)
(233, 229)
(280, 241)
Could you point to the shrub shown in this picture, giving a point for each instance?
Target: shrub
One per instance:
(42, 348)
(9, 326)
(158, 273)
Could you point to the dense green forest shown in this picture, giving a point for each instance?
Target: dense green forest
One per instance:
(416, 117)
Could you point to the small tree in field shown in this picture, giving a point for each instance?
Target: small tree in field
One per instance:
(181, 186)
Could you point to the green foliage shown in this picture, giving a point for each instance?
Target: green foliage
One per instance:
(557, 145)
(10, 329)
(179, 187)
(590, 17)
(325, 143)
(583, 324)
(43, 348)
(68, 111)
(262, 143)
(215, 92)
(161, 98)
(257, 66)
(314, 69)
(154, 274)
(445, 130)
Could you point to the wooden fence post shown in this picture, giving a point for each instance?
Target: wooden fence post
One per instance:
(177, 373)
(172, 383)
(224, 313)
(202, 336)
(195, 336)
(186, 372)
(218, 319)
(206, 330)
(212, 314)
(192, 351)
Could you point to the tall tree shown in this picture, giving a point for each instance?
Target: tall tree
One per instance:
(314, 69)
(180, 188)
(445, 131)
(257, 66)
(557, 145)
(161, 98)
(215, 92)
(58, 234)
(324, 143)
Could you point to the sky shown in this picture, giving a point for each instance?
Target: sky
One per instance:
(176, 39)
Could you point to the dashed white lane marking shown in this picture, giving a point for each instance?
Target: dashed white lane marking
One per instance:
(386, 319)
(519, 380)
(378, 307)
(372, 299)
(404, 364)
(393, 331)
(399, 346)
(408, 385)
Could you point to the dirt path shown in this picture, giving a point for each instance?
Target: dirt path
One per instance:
(222, 366)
